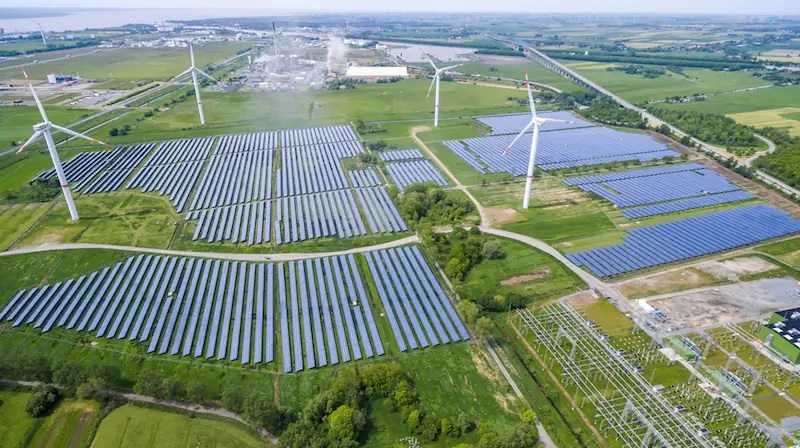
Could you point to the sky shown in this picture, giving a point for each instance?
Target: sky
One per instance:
(609, 6)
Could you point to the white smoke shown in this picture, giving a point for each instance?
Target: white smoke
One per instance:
(337, 54)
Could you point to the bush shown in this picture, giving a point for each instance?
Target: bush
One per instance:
(41, 401)
(492, 250)
(469, 310)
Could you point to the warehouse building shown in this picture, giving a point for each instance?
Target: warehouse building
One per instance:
(373, 74)
(782, 334)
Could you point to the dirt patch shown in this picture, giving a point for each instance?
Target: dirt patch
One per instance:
(500, 215)
(535, 275)
(582, 300)
(733, 269)
(504, 400)
(667, 282)
(75, 439)
(276, 391)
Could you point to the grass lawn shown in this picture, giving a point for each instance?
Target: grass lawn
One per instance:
(557, 213)
(783, 118)
(547, 277)
(781, 247)
(536, 73)
(19, 169)
(16, 427)
(126, 219)
(736, 103)
(133, 63)
(71, 425)
(637, 88)
(132, 426)
(15, 220)
(232, 112)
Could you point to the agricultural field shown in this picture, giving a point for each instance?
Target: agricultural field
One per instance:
(493, 67)
(132, 426)
(787, 118)
(132, 63)
(16, 122)
(71, 424)
(741, 102)
(16, 427)
(15, 220)
(637, 88)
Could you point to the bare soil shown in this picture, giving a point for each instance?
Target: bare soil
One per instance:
(498, 215)
(535, 275)
(664, 283)
(737, 267)
(582, 300)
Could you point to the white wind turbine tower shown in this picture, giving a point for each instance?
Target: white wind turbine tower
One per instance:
(536, 122)
(194, 71)
(43, 129)
(436, 79)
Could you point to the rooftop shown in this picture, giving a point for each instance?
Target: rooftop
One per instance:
(789, 326)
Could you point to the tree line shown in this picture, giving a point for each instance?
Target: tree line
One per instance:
(710, 128)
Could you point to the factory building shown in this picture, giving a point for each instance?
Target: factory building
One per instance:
(781, 334)
(373, 74)
(54, 78)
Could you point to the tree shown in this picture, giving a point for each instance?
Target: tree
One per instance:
(456, 268)
(41, 401)
(463, 423)
(449, 429)
(492, 250)
(233, 399)
(528, 417)
(92, 389)
(340, 423)
(151, 383)
(113, 132)
(195, 391)
(484, 326)
(260, 409)
(469, 310)
(414, 420)
(404, 395)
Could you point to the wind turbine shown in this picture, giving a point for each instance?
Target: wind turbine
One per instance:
(436, 78)
(43, 129)
(194, 71)
(41, 31)
(536, 122)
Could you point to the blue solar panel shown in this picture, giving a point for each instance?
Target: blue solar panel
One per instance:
(514, 123)
(285, 346)
(248, 312)
(333, 297)
(224, 334)
(356, 299)
(688, 238)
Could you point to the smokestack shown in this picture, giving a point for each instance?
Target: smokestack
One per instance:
(274, 40)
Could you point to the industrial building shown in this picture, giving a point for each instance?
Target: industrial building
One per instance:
(373, 74)
(781, 334)
(54, 78)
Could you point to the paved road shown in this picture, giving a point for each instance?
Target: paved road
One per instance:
(215, 255)
(172, 404)
(492, 78)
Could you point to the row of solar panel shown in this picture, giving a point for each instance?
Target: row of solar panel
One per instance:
(600, 178)
(565, 149)
(175, 180)
(317, 287)
(660, 188)
(238, 223)
(247, 142)
(466, 155)
(514, 123)
(313, 169)
(400, 154)
(186, 150)
(161, 300)
(318, 135)
(687, 238)
(417, 171)
(364, 178)
(300, 218)
(382, 215)
(235, 178)
(686, 204)
(419, 312)
(124, 162)
(82, 168)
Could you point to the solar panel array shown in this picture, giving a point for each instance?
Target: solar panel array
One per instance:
(688, 238)
(514, 123)
(364, 178)
(248, 223)
(400, 154)
(174, 151)
(247, 142)
(417, 171)
(466, 155)
(566, 149)
(235, 178)
(332, 213)
(81, 168)
(418, 310)
(123, 165)
(316, 168)
(382, 215)
(227, 310)
(662, 190)
(318, 135)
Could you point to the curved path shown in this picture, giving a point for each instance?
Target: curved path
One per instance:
(215, 255)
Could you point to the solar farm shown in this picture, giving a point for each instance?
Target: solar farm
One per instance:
(318, 308)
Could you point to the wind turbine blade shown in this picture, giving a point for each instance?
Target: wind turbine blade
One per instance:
(36, 136)
(207, 76)
(450, 68)
(433, 81)
(182, 74)
(75, 134)
(530, 96)
(35, 96)
(431, 61)
(191, 53)
(542, 120)
(519, 136)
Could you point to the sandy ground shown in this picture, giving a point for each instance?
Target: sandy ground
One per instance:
(535, 275)
(712, 306)
(679, 280)
(735, 268)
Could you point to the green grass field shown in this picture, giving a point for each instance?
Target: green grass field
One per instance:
(20, 169)
(133, 63)
(231, 112)
(536, 73)
(131, 426)
(16, 427)
(637, 88)
(71, 425)
(756, 100)
(122, 218)
(15, 220)
(16, 122)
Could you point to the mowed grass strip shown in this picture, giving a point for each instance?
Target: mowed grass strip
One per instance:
(71, 425)
(16, 427)
(15, 220)
(135, 427)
